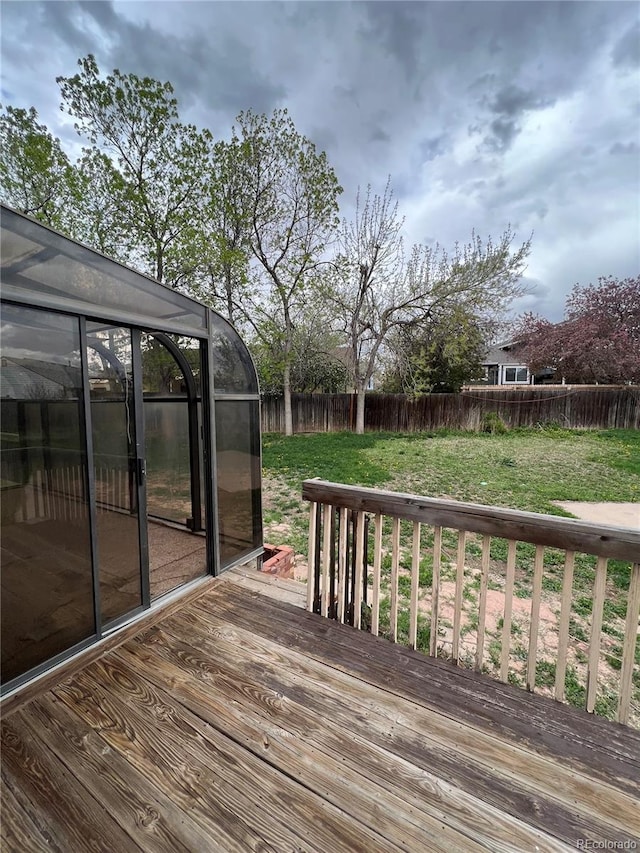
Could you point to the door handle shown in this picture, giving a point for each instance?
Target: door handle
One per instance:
(141, 471)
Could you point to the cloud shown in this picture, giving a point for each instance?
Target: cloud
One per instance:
(513, 100)
(626, 53)
(484, 113)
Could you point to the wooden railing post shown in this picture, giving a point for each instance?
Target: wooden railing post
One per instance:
(395, 562)
(482, 602)
(599, 588)
(312, 567)
(342, 562)
(415, 582)
(508, 609)
(457, 613)
(536, 598)
(563, 628)
(377, 565)
(357, 598)
(435, 591)
(629, 648)
(326, 558)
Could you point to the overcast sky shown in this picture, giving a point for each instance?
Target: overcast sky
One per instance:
(484, 114)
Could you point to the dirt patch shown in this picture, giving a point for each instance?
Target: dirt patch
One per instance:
(616, 514)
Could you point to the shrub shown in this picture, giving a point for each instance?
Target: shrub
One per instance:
(493, 423)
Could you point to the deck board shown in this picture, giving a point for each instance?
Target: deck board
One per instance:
(238, 722)
(544, 725)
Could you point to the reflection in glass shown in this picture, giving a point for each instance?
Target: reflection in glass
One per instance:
(114, 454)
(47, 588)
(175, 556)
(168, 472)
(238, 459)
(233, 370)
(47, 263)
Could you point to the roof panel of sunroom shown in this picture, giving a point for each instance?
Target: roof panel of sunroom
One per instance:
(233, 370)
(65, 274)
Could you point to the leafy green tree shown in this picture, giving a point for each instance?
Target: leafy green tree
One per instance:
(220, 267)
(134, 120)
(98, 214)
(291, 205)
(441, 355)
(35, 173)
(316, 361)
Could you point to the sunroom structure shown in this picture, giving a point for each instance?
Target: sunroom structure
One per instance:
(130, 446)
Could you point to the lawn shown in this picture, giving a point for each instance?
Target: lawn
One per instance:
(525, 469)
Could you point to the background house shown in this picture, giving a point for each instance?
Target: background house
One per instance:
(504, 365)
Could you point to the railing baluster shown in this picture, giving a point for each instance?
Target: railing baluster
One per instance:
(357, 599)
(326, 558)
(457, 614)
(311, 570)
(599, 588)
(435, 591)
(563, 628)
(629, 647)
(415, 581)
(536, 598)
(508, 609)
(395, 560)
(377, 565)
(482, 602)
(342, 561)
(339, 570)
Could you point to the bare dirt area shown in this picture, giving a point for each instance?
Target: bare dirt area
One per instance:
(616, 514)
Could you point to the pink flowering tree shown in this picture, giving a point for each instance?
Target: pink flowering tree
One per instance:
(599, 340)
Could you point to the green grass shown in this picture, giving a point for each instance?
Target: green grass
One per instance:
(527, 469)
(523, 469)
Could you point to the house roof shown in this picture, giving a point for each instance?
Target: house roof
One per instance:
(503, 353)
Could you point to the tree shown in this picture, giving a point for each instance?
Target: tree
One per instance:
(599, 340)
(291, 205)
(376, 290)
(98, 214)
(35, 172)
(438, 356)
(316, 365)
(162, 162)
(221, 266)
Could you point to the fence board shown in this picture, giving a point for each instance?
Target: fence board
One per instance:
(575, 407)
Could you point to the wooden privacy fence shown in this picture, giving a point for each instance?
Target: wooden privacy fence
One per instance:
(575, 408)
(403, 564)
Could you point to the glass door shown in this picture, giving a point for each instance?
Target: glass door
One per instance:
(114, 382)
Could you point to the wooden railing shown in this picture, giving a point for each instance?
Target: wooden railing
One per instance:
(59, 494)
(417, 543)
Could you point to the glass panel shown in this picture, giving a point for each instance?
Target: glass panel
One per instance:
(47, 585)
(521, 374)
(176, 556)
(114, 453)
(238, 463)
(38, 260)
(166, 418)
(162, 374)
(233, 370)
(166, 425)
(509, 374)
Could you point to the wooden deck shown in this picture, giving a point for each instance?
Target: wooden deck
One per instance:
(235, 722)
